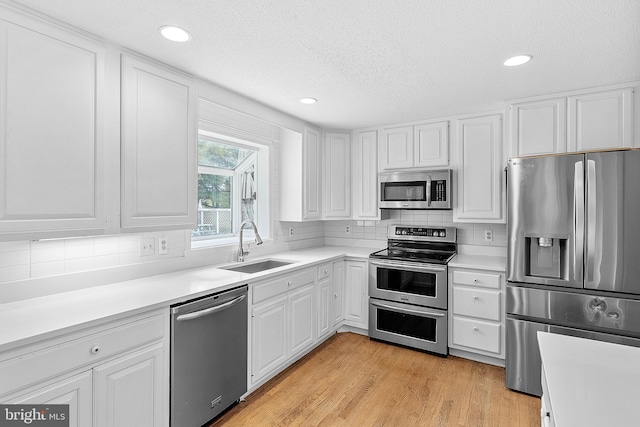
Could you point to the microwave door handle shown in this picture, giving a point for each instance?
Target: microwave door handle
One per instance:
(590, 246)
(429, 190)
(578, 219)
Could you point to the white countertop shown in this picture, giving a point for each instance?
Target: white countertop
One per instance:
(591, 383)
(34, 319)
(479, 262)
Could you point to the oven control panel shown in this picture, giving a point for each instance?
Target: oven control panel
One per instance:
(416, 231)
(425, 234)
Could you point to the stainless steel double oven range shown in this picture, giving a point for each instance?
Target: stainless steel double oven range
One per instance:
(408, 287)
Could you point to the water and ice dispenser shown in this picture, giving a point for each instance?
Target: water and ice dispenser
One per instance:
(546, 257)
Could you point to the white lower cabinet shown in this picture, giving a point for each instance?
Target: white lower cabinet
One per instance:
(301, 303)
(282, 321)
(337, 285)
(110, 375)
(324, 299)
(476, 312)
(268, 332)
(128, 390)
(75, 391)
(356, 294)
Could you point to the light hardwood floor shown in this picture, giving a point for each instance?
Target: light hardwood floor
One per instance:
(352, 381)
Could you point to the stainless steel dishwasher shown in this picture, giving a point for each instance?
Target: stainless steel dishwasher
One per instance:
(208, 356)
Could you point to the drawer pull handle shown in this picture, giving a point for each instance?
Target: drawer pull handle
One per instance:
(475, 280)
(326, 272)
(475, 298)
(475, 329)
(95, 349)
(289, 283)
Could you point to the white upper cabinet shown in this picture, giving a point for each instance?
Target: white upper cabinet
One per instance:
(431, 144)
(600, 120)
(396, 148)
(311, 149)
(337, 182)
(158, 183)
(365, 175)
(421, 146)
(300, 179)
(479, 169)
(595, 119)
(539, 127)
(51, 131)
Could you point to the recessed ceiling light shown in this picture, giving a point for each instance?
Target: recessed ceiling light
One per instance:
(517, 60)
(175, 34)
(308, 100)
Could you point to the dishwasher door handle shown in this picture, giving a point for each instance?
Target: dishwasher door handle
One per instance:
(211, 310)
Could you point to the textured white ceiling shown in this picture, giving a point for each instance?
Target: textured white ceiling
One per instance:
(374, 62)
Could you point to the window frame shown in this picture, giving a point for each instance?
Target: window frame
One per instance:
(261, 154)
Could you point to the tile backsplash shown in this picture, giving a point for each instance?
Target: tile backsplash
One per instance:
(468, 233)
(44, 258)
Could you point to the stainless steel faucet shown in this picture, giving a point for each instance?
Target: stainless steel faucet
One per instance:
(241, 250)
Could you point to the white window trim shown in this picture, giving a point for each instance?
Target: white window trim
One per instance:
(261, 146)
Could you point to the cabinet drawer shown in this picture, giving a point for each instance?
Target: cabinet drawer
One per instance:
(476, 334)
(476, 303)
(324, 271)
(85, 350)
(472, 278)
(271, 288)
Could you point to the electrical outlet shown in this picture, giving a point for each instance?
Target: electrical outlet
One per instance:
(488, 235)
(147, 246)
(163, 245)
(348, 229)
(290, 231)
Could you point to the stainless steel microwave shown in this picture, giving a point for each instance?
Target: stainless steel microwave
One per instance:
(416, 189)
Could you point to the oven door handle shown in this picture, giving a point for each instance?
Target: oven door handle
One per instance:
(413, 265)
(406, 310)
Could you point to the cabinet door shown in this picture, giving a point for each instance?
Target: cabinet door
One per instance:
(539, 127)
(324, 307)
(356, 294)
(337, 306)
(480, 172)
(601, 120)
(158, 147)
(301, 324)
(75, 391)
(51, 143)
(132, 390)
(337, 183)
(431, 144)
(365, 175)
(268, 337)
(311, 174)
(396, 148)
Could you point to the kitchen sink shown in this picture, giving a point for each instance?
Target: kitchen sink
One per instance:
(258, 266)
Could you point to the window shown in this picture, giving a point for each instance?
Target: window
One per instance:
(228, 178)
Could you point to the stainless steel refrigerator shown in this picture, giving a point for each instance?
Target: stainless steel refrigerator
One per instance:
(573, 254)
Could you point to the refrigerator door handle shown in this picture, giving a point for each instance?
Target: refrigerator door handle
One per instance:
(590, 246)
(578, 219)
